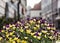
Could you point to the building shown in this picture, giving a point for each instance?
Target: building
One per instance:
(45, 8)
(35, 11)
(13, 9)
(23, 8)
(50, 11)
(2, 8)
(58, 17)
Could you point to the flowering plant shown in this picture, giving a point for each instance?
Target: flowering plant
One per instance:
(29, 31)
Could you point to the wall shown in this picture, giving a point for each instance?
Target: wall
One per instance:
(45, 3)
(22, 8)
(46, 7)
(23, 2)
(35, 13)
(12, 7)
(58, 3)
(2, 8)
(49, 7)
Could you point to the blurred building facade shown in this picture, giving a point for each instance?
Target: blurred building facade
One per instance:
(50, 10)
(2, 8)
(35, 11)
(12, 8)
(23, 8)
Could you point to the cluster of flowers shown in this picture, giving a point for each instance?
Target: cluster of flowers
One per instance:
(28, 31)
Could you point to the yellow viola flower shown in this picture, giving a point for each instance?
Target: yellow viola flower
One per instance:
(26, 26)
(38, 26)
(8, 42)
(34, 22)
(13, 25)
(48, 33)
(14, 28)
(31, 21)
(28, 31)
(6, 32)
(53, 28)
(11, 33)
(21, 30)
(51, 37)
(46, 24)
(15, 38)
(18, 40)
(34, 19)
(52, 31)
(18, 22)
(10, 25)
(58, 41)
(35, 28)
(38, 37)
(48, 28)
(32, 34)
(7, 35)
(10, 39)
(39, 21)
(45, 36)
(26, 37)
(3, 31)
(13, 42)
(17, 27)
(42, 24)
(0, 38)
(4, 27)
(23, 41)
(21, 27)
(39, 34)
(43, 31)
(7, 28)
(35, 36)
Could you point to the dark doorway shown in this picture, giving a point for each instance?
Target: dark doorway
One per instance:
(58, 24)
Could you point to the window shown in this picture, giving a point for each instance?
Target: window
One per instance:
(59, 10)
(58, 24)
(2, 10)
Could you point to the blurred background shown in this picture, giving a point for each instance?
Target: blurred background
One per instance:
(15, 10)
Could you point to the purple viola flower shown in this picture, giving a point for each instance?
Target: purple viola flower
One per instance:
(7, 26)
(50, 25)
(0, 30)
(55, 33)
(12, 23)
(23, 21)
(37, 18)
(22, 24)
(36, 34)
(17, 25)
(40, 18)
(28, 19)
(43, 21)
